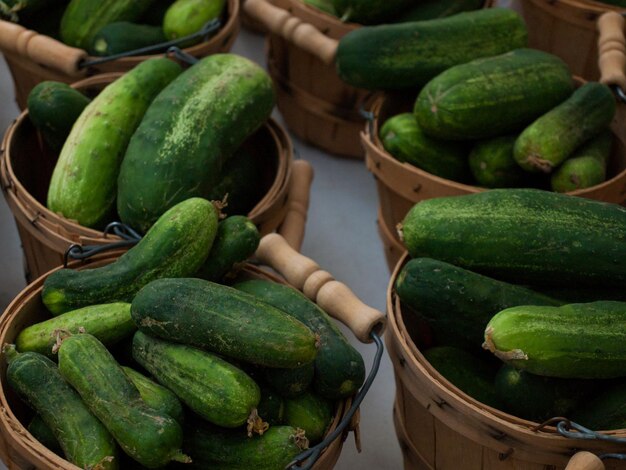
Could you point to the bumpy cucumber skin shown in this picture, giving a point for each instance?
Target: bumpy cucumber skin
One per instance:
(84, 18)
(224, 320)
(368, 11)
(527, 236)
(151, 438)
(109, 323)
(237, 239)
(290, 382)
(404, 140)
(216, 390)
(458, 303)
(575, 341)
(155, 395)
(408, 55)
(433, 9)
(185, 17)
(311, 413)
(84, 440)
(552, 138)
(493, 166)
(123, 36)
(176, 246)
(607, 411)
(83, 183)
(188, 132)
(42, 432)
(339, 368)
(492, 96)
(54, 107)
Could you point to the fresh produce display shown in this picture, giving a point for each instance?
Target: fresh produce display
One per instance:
(290, 382)
(185, 17)
(493, 166)
(123, 36)
(271, 406)
(42, 432)
(310, 413)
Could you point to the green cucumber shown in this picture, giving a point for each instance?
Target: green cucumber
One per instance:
(311, 413)
(574, 341)
(325, 6)
(271, 408)
(155, 395)
(432, 9)
(408, 55)
(108, 322)
(237, 239)
(150, 437)
(607, 410)
(339, 368)
(53, 108)
(224, 320)
(175, 246)
(552, 138)
(290, 383)
(492, 96)
(404, 140)
(42, 432)
(185, 17)
(493, 166)
(369, 11)
(84, 440)
(458, 303)
(124, 36)
(586, 167)
(84, 180)
(525, 236)
(216, 390)
(194, 125)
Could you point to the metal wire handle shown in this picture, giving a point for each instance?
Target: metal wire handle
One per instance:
(369, 116)
(313, 454)
(621, 94)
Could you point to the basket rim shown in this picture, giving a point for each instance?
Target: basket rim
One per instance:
(587, 6)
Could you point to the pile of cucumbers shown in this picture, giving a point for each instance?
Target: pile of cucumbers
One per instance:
(143, 364)
(537, 279)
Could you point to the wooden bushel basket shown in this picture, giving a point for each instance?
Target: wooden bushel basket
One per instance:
(21, 451)
(26, 166)
(317, 105)
(34, 58)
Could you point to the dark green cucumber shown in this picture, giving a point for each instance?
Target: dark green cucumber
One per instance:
(607, 411)
(322, 5)
(493, 166)
(150, 437)
(369, 11)
(185, 17)
(524, 236)
(311, 413)
(237, 239)
(404, 140)
(189, 131)
(84, 180)
(538, 398)
(432, 9)
(124, 36)
(42, 432)
(552, 138)
(210, 386)
(586, 167)
(409, 55)
(492, 96)
(224, 320)
(271, 408)
(290, 382)
(581, 341)
(84, 440)
(339, 368)
(155, 395)
(175, 246)
(458, 303)
(53, 108)
(155, 14)
(108, 322)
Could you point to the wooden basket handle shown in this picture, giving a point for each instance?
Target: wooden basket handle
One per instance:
(292, 228)
(612, 49)
(585, 461)
(332, 296)
(41, 49)
(293, 29)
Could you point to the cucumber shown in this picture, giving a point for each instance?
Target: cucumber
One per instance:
(42, 432)
(607, 411)
(339, 368)
(210, 386)
(150, 437)
(155, 395)
(290, 383)
(236, 240)
(404, 140)
(574, 341)
(271, 408)
(185, 17)
(586, 167)
(493, 166)
(84, 18)
(311, 413)
(221, 319)
(53, 108)
(408, 55)
(523, 236)
(84, 440)
(325, 6)
(188, 132)
(124, 36)
(83, 183)
(109, 323)
(552, 138)
(369, 11)
(176, 246)
(433, 9)
(492, 96)
(458, 303)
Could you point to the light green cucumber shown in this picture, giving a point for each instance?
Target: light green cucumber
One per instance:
(185, 17)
